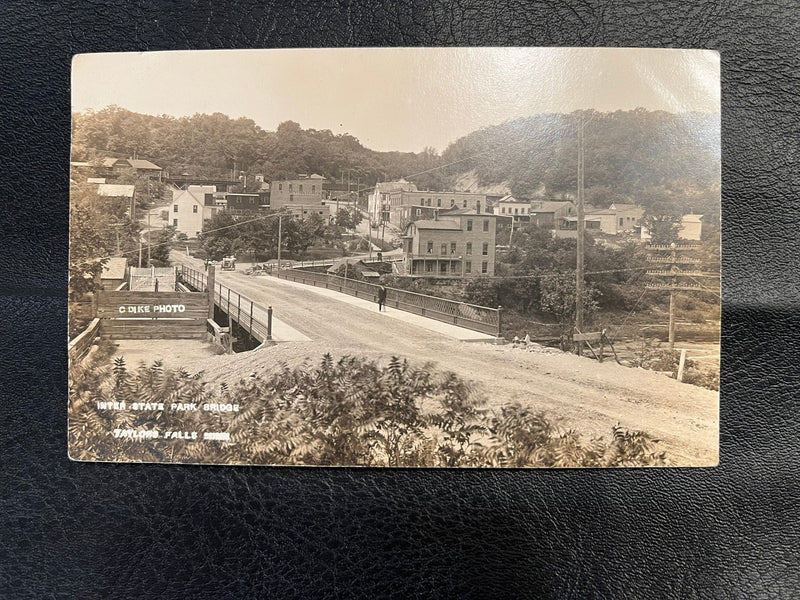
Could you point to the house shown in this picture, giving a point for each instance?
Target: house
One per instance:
(691, 227)
(191, 208)
(629, 216)
(456, 243)
(301, 196)
(549, 213)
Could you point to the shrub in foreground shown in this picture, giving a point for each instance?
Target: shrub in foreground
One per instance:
(346, 412)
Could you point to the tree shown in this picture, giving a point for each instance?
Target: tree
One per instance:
(349, 217)
(558, 297)
(160, 248)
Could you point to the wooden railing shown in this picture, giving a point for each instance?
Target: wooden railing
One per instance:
(470, 316)
(81, 344)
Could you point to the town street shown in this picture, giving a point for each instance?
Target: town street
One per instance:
(578, 393)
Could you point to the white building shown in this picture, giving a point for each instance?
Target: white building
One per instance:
(191, 208)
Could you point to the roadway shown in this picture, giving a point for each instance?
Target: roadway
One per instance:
(578, 392)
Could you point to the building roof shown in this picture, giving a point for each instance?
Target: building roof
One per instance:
(691, 218)
(600, 211)
(437, 224)
(624, 206)
(400, 185)
(509, 198)
(137, 163)
(115, 268)
(544, 206)
(315, 176)
(115, 190)
(95, 180)
(470, 212)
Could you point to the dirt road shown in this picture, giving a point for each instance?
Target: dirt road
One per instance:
(578, 393)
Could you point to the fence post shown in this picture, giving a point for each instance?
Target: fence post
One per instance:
(269, 323)
(499, 321)
(210, 291)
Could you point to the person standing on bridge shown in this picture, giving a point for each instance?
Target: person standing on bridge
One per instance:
(381, 298)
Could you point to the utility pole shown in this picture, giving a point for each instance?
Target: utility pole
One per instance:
(581, 226)
(673, 267)
(280, 218)
(148, 237)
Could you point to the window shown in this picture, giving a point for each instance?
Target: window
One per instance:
(484, 267)
(438, 202)
(621, 221)
(313, 189)
(468, 267)
(443, 268)
(429, 267)
(465, 204)
(174, 208)
(301, 188)
(469, 248)
(194, 208)
(485, 249)
(453, 266)
(430, 247)
(174, 222)
(280, 187)
(503, 209)
(469, 225)
(452, 247)
(444, 249)
(419, 211)
(486, 224)
(428, 202)
(290, 187)
(452, 202)
(516, 211)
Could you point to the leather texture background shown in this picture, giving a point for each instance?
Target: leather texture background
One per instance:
(72, 530)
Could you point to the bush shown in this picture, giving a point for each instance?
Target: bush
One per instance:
(350, 412)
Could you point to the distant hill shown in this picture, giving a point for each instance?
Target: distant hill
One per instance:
(634, 156)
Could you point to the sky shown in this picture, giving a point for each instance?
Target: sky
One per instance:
(402, 99)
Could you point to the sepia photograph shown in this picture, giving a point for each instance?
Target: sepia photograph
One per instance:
(396, 257)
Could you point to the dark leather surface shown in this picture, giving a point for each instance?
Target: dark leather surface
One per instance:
(71, 530)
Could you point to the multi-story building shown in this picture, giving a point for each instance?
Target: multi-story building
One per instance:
(454, 244)
(191, 208)
(385, 195)
(302, 196)
(396, 202)
(241, 203)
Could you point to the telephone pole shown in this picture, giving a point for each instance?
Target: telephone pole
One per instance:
(673, 269)
(579, 282)
(280, 218)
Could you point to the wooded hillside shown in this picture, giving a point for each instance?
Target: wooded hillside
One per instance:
(631, 156)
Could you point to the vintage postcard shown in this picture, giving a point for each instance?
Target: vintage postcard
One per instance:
(405, 257)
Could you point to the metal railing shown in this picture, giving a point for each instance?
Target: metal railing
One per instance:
(470, 316)
(250, 316)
